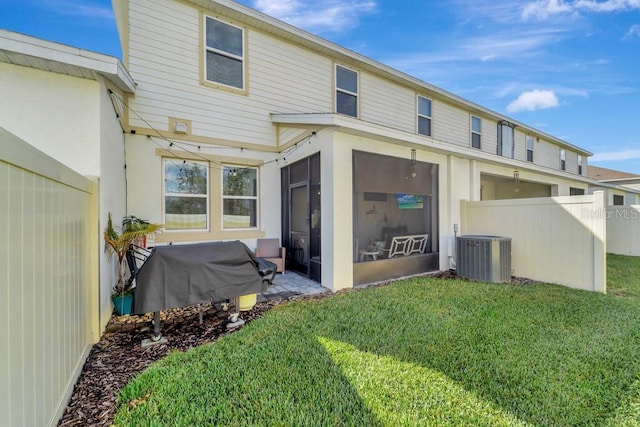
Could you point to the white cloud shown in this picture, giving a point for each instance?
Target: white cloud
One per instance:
(632, 154)
(80, 9)
(329, 15)
(633, 31)
(543, 9)
(534, 100)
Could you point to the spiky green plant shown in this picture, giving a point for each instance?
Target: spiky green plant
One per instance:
(119, 242)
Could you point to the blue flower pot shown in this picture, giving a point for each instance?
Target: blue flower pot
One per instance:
(122, 304)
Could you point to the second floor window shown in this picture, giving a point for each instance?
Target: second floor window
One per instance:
(505, 139)
(529, 148)
(476, 132)
(563, 159)
(346, 91)
(579, 164)
(224, 51)
(424, 116)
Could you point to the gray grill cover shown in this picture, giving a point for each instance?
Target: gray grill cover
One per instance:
(182, 275)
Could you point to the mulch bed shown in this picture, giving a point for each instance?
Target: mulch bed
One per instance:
(119, 355)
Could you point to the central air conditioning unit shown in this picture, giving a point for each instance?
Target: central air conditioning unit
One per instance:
(484, 258)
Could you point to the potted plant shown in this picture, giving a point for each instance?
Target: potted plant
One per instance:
(119, 241)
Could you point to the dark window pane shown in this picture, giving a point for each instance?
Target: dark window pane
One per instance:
(424, 106)
(239, 213)
(347, 80)
(475, 140)
(529, 156)
(224, 37)
(347, 104)
(224, 70)
(424, 126)
(618, 200)
(563, 165)
(239, 182)
(185, 178)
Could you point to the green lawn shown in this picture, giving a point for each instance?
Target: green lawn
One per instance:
(417, 352)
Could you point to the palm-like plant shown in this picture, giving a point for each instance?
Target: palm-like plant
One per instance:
(133, 229)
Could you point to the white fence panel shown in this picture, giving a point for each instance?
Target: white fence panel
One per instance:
(623, 230)
(47, 217)
(554, 239)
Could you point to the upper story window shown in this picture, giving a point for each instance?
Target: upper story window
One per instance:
(529, 139)
(476, 132)
(346, 91)
(424, 116)
(563, 159)
(186, 195)
(239, 197)
(579, 164)
(224, 53)
(505, 139)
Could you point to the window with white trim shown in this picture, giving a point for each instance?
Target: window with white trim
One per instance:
(579, 164)
(563, 159)
(529, 141)
(224, 53)
(239, 197)
(346, 91)
(505, 139)
(424, 116)
(186, 195)
(476, 132)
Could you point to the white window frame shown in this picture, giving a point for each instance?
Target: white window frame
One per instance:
(223, 53)
(347, 92)
(166, 194)
(563, 159)
(234, 197)
(424, 116)
(473, 132)
(529, 143)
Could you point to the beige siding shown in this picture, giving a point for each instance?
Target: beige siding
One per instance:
(165, 61)
(451, 124)
(387, 104)
(47, 213)
(546, 154)
(520, 151)
(565, 235)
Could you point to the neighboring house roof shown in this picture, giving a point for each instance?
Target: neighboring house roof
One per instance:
(604, 174)
(302, 38)
(27, 51)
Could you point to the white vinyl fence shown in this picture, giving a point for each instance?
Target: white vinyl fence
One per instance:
(554, 239)
(48, 258)
(623, 230)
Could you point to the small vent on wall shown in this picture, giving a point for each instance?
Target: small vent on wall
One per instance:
(180, 127)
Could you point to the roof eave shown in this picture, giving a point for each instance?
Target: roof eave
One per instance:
(20, 45)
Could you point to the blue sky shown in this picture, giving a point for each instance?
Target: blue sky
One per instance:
(570, 68)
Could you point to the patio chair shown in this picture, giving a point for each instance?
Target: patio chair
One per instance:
(271, 250)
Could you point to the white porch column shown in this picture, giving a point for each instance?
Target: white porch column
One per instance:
(337, 215)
